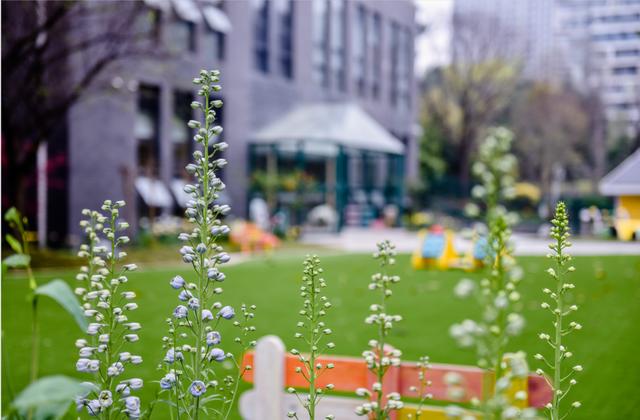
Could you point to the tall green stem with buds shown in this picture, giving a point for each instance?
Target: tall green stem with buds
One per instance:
(195, 386)
(312, 331)
(381, 359)
(561, 381)
(497, 295)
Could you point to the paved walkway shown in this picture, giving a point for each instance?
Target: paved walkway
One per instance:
(363, 240)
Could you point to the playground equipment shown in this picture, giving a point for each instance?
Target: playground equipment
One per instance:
(250, 238)
(437, 251)
(274, 370)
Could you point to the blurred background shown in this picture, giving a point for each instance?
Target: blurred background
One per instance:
(339, 114)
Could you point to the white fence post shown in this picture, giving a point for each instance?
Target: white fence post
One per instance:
(268, 374)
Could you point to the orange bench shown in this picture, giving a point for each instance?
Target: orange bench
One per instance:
(274, 370)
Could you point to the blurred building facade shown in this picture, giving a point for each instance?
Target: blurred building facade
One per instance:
(601, 44)
(593, 45)
(129, 140)
(527, 26)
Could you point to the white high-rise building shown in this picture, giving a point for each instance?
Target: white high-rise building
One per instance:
(526, 29)
(601, 44)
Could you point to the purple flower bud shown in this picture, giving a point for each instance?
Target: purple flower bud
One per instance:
(207, 315)
(135, 383)
(226, 312)
(197, 388)
(185, 295)
(223, 257)
(194, 303)
(217, 355)
(214, 274)
(93, 407)
(132, 407)
(167, 381)
(177, 282)
(213, 338)
(172, 356)
(180, 312)
(201, 248)
(186, 250)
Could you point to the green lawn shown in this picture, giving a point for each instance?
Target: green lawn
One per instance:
(608, 292)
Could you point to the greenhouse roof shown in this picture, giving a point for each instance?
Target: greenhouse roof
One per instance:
(330, 124)
(624, 179)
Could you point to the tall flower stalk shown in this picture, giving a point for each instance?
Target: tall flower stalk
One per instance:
(381, 358)
(496, 294)
(312, 330)
(194, 378)
(423, 366)
(561, 379)
(108, 305)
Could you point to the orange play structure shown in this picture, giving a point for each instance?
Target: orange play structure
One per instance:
(250, 238)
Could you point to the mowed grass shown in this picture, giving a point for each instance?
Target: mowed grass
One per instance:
(608, 293)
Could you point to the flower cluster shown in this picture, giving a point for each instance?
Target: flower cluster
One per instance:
(312, 331)
(382, 357)
(496, 293)
(423, 383)
(193, 345)
(561, 380)
(108, 306)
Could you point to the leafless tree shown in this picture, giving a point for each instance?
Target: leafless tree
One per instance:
(474, 90)
(53, 52)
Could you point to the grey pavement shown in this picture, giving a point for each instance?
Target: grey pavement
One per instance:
(363, 240)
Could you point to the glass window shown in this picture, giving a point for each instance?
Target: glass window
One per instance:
(320, 36)
(402, 51)
(359, 48)
(394, 59)
(213, 44)
(407, 74)
(261, 35)
(180, 133)
(147, 130)
(376, 54)
(284, 9)
(338, 50)
(148, 24)
(182, 36)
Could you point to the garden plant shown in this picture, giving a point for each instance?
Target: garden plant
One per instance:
(496, 293)
(312, 331)
(382, 357)
(108, 305)
(194, 384)
(561, 380)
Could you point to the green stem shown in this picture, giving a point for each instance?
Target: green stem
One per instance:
(557, 374)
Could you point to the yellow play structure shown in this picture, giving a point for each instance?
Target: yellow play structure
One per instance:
(436, 251)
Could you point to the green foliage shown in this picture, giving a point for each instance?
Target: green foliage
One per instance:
(49, 397)
(60, 292)
(17, 261)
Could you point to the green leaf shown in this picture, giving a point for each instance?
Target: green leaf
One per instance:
(47, 395)
(53, 411)
(60, 291)
(17, 261)
(13, 243)
(13, 215)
